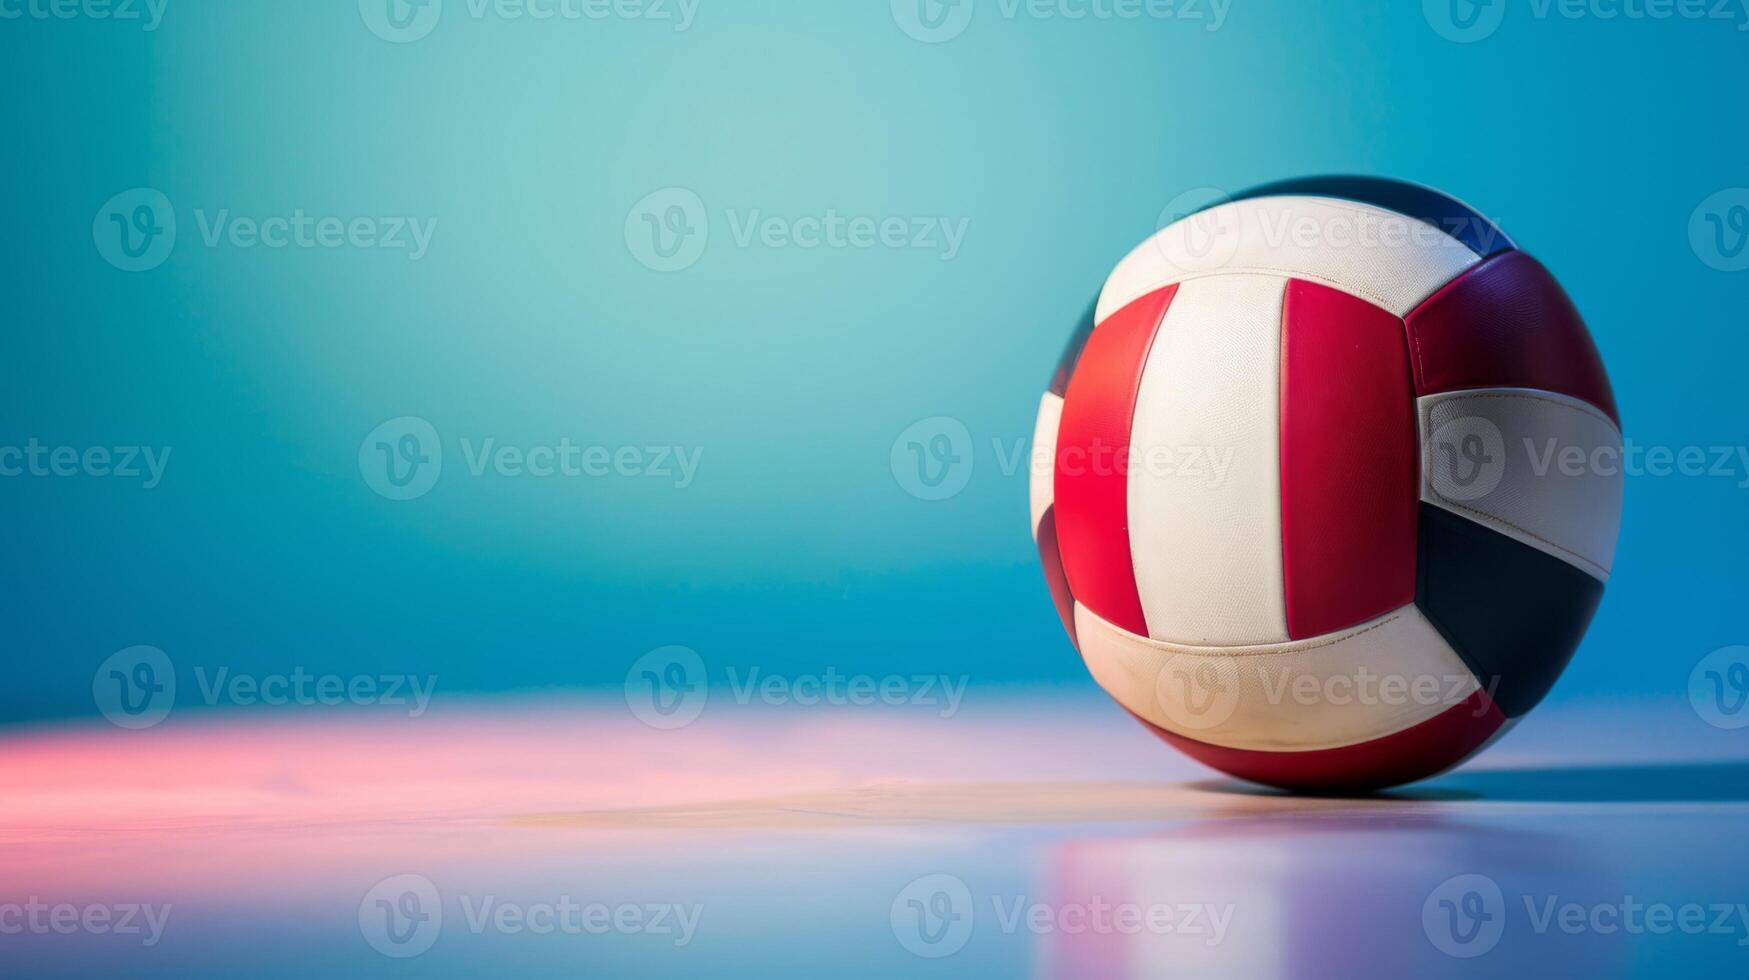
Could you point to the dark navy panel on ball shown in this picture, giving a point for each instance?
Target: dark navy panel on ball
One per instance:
(1448, 214)
(1072, 353)
(1513, 614)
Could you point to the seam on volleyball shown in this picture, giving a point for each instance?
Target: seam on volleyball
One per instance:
(1491, 392)
(1400, 720)
(1395, 726)
(1281, 496)
(1130, 442)
(1420, 366)
(1290, 648)
(1587, 565)
(1265, 270)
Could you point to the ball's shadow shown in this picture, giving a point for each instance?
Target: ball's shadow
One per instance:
(1682, 782)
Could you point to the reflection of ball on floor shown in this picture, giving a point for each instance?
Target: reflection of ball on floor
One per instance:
(1335, 482)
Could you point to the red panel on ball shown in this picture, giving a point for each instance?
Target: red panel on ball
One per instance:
(1415, 753)
(1350, 470)
(1506, 323)
(1092, 468)
(1052, 560)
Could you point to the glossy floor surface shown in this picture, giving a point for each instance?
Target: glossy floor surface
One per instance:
(1035, 834)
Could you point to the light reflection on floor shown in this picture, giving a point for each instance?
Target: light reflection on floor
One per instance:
(1040, 835)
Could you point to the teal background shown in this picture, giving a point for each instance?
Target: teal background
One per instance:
(530, 320)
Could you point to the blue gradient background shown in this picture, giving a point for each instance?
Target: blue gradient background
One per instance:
(1592, 141)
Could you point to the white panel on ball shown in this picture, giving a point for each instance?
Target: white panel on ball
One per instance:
(1388, 259)
(1205, 475)
(1325, 692)
(1541, 468)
